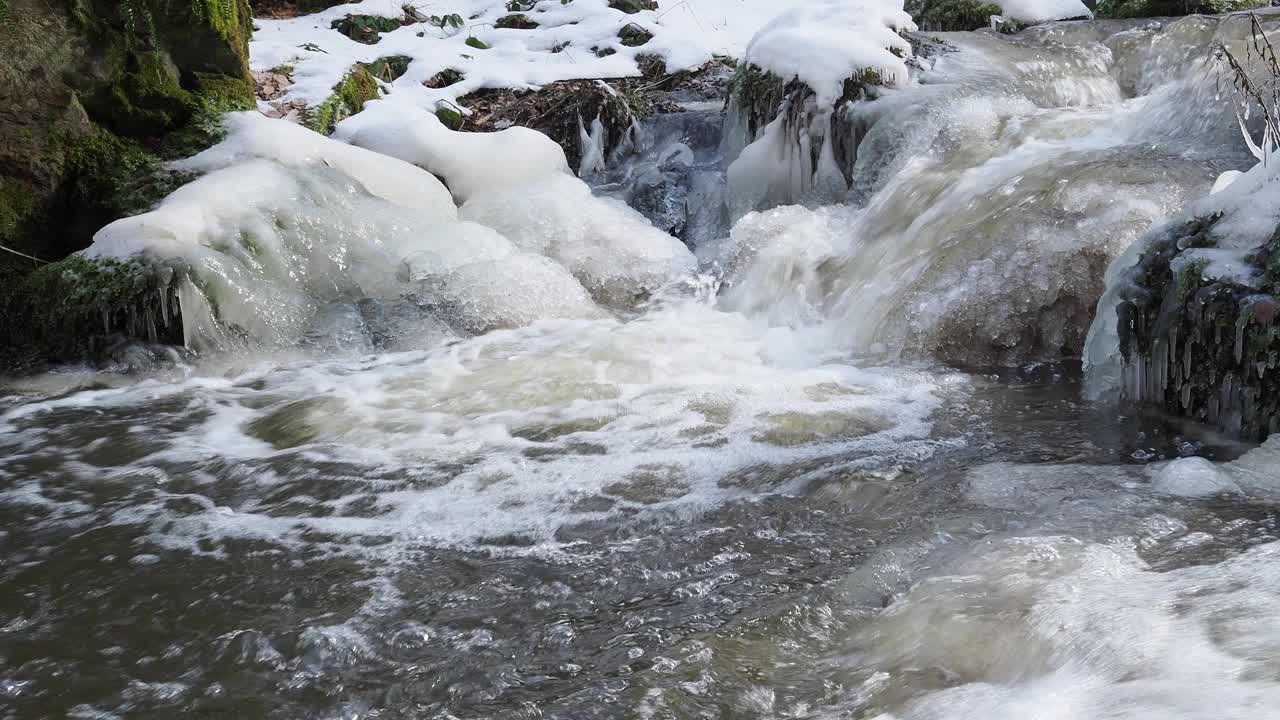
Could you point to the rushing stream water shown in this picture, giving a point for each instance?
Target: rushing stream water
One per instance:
(752, 492)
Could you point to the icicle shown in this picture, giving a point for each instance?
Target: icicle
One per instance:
(829, 181)
(592, 146)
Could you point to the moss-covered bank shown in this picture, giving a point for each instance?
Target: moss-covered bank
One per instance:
(96, 94)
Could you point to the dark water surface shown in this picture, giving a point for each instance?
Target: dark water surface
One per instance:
(780, 602)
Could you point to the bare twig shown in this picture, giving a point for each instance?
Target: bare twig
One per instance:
(1248, 91)
(23, 255)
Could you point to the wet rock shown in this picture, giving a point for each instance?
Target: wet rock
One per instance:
(95, 110)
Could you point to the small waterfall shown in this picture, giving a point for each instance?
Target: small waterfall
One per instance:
(977, 208)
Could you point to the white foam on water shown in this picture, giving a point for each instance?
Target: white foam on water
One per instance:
(1042, 627)
(504, 434)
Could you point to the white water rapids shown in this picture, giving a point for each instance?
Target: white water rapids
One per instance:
(467, 440)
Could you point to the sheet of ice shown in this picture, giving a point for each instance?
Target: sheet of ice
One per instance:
(686, 34)
(825, 42)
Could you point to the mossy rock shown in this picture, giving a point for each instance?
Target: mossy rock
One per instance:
(951, 15)
(366, 29)
(391, 68)
(633, 35)
(631, 7)
(1199, 346)
(348, 98)
(142, 71)
(518, 21)
(69, 308)
(1171, 8)
(104, 91)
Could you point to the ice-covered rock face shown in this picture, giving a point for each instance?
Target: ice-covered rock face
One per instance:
(987, 200)
(285, 223)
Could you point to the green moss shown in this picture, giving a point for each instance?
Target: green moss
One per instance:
(477, 43)
(1190, 277)
(114, 178)
(348, 98)
(758, 94)
(17, 206)
(951, 15)
(250, 243)
(1010, 27)
(64, 307)
(451, 118)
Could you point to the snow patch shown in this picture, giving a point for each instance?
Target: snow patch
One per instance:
(824, 43)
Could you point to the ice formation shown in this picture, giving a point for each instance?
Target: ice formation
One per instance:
(1249, 205)
(286, 221)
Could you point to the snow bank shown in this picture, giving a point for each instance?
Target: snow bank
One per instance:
(517, 182)
(686, 34)
(1038, 11)
(286, 221)
(823, 43)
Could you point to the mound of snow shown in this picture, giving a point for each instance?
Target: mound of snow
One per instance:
(1039, 11)
(823, 43)
(517, 182)
(285, 221)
